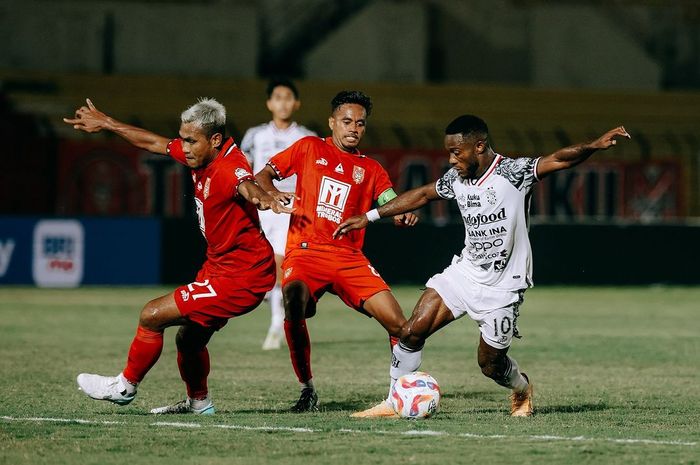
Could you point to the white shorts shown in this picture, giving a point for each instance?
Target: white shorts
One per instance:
(495, 311)
(275, 227)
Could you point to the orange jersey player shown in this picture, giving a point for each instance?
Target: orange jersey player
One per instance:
(334, 182)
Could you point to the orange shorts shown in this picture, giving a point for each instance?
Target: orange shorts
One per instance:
(212, 300)
(345, 273)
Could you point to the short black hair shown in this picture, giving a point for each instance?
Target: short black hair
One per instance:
(351, 96)
(283, 82)
(467, 125)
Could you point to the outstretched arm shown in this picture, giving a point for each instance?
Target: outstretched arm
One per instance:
(571, 156)
(90, 119)
(261, 199)
(404, 203)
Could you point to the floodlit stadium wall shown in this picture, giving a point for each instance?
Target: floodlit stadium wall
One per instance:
(70, 252)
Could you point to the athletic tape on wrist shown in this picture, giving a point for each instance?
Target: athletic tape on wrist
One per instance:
(372, 215)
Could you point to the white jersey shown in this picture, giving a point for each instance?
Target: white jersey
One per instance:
(261, 142)
(495, 209)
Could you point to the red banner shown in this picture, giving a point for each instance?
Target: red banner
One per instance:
(102, 178)
(649, 191)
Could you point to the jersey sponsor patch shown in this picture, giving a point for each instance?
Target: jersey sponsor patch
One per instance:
(207, 185)
(332, 197)
(242, 173)
(358, 174)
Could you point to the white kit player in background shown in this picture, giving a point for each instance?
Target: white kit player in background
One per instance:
(487, 281)
(259, 144)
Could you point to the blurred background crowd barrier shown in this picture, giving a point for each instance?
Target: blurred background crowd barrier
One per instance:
(542, 74)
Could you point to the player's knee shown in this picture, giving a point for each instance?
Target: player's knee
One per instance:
(149, 317)
(296, 296)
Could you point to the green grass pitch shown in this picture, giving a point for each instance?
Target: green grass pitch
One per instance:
(616, 374)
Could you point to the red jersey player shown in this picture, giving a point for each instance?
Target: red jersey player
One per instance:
(334, 182)
(239, 269)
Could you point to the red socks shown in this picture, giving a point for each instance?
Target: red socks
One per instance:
(299, 348)
(143, 354)
(194, 369)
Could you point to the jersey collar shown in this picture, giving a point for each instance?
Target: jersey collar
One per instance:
(494, 163)
(355, 153)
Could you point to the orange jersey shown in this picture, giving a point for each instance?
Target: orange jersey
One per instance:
(332, 186)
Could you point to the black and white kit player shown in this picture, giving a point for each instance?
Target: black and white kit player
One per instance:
(488, 279)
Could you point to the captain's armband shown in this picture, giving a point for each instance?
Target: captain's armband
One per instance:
(386, 196)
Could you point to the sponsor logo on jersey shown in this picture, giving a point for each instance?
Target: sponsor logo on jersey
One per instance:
(322, 161)
(207, 185)
(332, 197)
(499, 265)
(185, 295)
(339, 169)
(473, 200)
(242, 173)
(474, 221)
(496, 231)
(358, 174)
(288, 272)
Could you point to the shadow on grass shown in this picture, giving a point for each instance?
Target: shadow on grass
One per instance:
(471, 395)
(571, 408)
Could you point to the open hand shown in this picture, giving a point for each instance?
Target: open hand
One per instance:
(88, 118)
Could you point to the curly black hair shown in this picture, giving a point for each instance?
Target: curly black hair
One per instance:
(466, 125)
(351, 96)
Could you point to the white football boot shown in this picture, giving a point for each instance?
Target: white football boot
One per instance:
(196, 406)
(109, 388)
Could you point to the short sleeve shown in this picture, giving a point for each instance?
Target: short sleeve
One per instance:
(174, 150)
(287, 162)
(382, 182)
(241, 168)
(445, 185)
(520, 172)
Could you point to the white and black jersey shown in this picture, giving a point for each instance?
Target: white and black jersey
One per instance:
(495, 210)
(261, 142)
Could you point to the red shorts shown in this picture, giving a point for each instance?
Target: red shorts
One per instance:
(345, 273)
(212, 300)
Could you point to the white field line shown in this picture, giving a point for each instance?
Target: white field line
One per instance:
(534, 438)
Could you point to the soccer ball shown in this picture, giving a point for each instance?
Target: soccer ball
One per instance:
(415, 395)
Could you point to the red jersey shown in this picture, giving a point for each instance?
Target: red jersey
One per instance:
(332, 186)
(229, 223)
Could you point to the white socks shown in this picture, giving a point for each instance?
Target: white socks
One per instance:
(277, 307)
(513, 378)
(126, 385)
(404, 360)
(307, 385)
